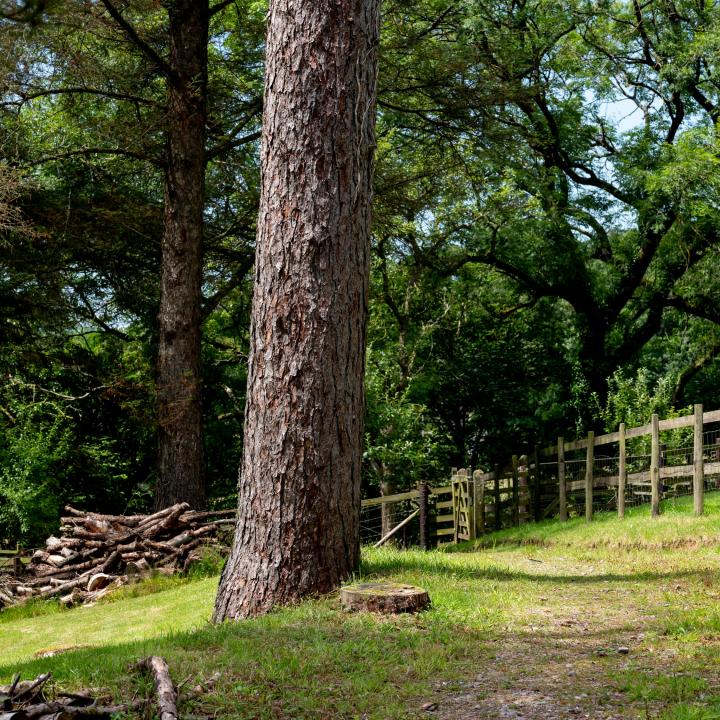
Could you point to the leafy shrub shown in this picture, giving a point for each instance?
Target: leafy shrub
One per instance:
(31, 475)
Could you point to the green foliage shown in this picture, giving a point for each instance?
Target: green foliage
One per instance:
(210, 564)
(403, 444)
(32, 473)
(633, 399)
(545, 243)
(62, 442)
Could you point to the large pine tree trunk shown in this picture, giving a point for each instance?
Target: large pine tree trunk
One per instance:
(299, 494)
(180, 454)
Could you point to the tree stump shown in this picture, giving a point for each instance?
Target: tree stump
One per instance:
(384, 598)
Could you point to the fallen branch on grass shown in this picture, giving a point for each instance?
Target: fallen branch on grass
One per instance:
(164, 688)
(25, 700)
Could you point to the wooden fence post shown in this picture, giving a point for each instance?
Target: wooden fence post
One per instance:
(589, 463)
(387, 510)
(698, 463)
(17, 566)
(622, 472)
(498, 515)
(562, 490)
(479, 495)
(655, 465)
(537, 500)
(523, 488)
(453, 488)
(456, 501)
(470, 504)
(424, 501)
(515, 491)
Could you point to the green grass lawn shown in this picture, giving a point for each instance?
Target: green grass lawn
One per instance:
(676, 523)
(533, 622)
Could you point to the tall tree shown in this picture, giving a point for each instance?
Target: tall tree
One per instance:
(180, 442)
(614, 220)
(299, 493)
(136, 99)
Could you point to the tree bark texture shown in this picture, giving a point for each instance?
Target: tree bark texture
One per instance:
(297, 532)
(180, 453)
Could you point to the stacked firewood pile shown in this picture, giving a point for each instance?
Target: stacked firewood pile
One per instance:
(97, 553)
(29, 699)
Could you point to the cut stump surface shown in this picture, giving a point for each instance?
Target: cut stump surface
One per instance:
(384, 598)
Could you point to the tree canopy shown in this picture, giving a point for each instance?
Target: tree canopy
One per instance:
(544, 235)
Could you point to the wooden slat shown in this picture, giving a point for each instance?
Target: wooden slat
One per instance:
(445, 490)
(638, 431)
(679, 471)
(675, 423)
(643, 478)
(712, 416)
(674, 471)
(411, 495)
(444, 518)
(444, 505)
(445, 531)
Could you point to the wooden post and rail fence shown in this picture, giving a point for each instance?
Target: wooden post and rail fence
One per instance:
(11, 560)
(566, 479)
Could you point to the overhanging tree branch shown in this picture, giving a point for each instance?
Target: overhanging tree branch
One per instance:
(692, 371)
(87, 152)
(147, 50)
(704, 308)
(232, 144)
(215, 9)
(113, 95)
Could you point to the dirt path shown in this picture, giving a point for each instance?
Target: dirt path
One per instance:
(570, 655)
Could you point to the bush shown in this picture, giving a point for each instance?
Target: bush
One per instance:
(31, 476)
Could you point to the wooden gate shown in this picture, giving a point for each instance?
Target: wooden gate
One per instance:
(468, 498)
(462, 506)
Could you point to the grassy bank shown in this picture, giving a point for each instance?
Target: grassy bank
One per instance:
(676, 525)
(534, 624)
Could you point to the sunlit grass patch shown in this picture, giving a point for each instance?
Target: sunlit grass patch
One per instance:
(676, 525)
(175, 609)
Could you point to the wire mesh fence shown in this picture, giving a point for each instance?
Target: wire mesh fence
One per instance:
(376, 521)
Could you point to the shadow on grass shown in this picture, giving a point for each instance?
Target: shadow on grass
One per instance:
(443, 565)
(309, 661)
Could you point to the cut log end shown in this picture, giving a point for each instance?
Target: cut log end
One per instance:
(386, 598)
